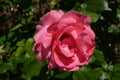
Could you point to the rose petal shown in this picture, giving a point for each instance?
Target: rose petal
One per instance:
(42, 43)
(52, 63)
(63, 61)
(87, 45)
(89, 31)
(51, 17)
(44, 38)
(43, 54)
(38, 27)
(69, 69)
(76, 16)
(71, 17)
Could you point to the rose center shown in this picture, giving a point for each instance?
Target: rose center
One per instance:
(67, 47)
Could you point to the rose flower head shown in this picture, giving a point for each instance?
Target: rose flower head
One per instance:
(66, 40)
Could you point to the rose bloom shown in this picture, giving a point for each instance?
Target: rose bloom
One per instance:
(65, 40)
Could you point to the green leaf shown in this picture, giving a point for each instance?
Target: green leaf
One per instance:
(16, 27)
(30, 18)
(118, 13)
(20, 48)
(4, 67)
(21, 43)
(85, 69)
(94, 6)
(86, 74)
(110, 68)
(77, 75)
(10, 34)
(113, 29)
(62, 75)
(93, 59)
(116, 72)
(99, 58)
(23, 21)
(116, 67)
(93, 15)
(29, 45)
(2, 39)
(118, 1)
(19, 51)
(96, 74)
(32, 68)
(53, 2)
(98, 54)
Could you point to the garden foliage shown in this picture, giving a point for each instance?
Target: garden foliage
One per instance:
(18, 19)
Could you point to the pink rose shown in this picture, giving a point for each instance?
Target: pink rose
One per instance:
(65, 40)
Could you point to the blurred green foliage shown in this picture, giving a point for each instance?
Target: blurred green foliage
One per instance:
(17, 28)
